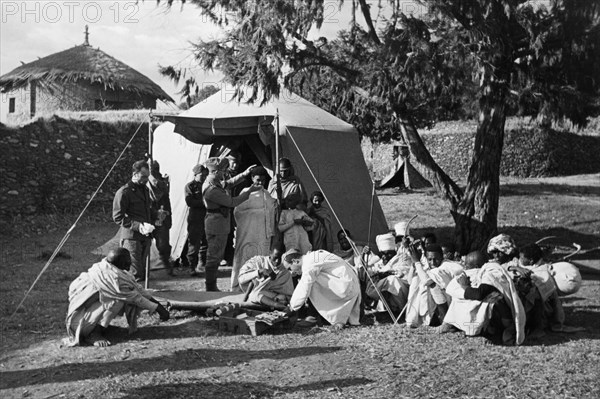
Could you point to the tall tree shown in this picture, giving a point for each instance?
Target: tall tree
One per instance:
(542, 56)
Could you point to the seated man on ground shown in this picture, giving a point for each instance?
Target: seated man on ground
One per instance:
(347, 253)
(427, 239)
(105, 291)
(503, 250)
(551, 314)
(330, 285)
(266, 281)
(403, 240)
(427, 300)
(449, 251)
(485, 301)
(361, 260)
(389, 276)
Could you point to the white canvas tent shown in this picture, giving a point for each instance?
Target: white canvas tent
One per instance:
(329, 145)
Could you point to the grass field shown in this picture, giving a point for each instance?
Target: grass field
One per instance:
(188, 357)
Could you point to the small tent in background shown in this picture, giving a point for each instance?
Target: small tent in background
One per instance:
(403, 174)
(329, 146)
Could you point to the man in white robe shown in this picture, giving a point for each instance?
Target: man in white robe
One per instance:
(481, 295)
(330, 284)
(105, 291)
(389, 275)
(266, 281)
(427, 299)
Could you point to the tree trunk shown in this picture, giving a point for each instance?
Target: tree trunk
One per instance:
(476, 216)
(427, 166)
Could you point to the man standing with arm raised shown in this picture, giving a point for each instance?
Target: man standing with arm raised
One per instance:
(217, 223)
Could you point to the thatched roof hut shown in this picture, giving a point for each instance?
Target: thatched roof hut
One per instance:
(85, 63)
(81, 78)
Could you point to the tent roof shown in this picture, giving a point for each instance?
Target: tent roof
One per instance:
(220, 115)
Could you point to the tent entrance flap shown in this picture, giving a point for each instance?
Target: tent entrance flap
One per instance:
(203, 130)
(177, 156)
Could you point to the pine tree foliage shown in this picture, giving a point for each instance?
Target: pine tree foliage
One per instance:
(489, 57)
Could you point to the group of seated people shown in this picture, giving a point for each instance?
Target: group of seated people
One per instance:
(506, 293)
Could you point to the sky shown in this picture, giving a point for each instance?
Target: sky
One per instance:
(143, 35)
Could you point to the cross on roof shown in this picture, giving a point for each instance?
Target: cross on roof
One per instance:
(87, 37)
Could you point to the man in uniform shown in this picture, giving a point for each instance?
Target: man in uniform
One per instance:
(218, 204)
(234, 187)
(196, 241)
(159, 193)
(132, 210)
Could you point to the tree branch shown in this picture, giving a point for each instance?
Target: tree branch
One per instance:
(366, 11)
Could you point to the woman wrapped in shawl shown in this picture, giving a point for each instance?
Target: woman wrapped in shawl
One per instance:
(322, 233)
(255, 220)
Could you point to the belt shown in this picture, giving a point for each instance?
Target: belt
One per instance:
(218, 210)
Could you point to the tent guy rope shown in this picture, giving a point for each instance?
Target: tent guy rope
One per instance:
(68, 233)
(354, 248)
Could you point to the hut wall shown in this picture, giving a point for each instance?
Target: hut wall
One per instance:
(79, 96)
(22, 105)
(84, 96)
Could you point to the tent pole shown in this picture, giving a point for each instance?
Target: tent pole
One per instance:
(277, 177)
(150, 139)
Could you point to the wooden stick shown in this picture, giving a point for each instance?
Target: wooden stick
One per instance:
(371, 214)
(408, 225)
(538, 242)
(577, 250)
(146, 282)
(401, 313)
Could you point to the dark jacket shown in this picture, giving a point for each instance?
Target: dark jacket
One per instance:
(159, 194)
(193, 199)
(132, 206)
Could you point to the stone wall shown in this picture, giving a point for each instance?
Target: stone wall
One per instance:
(55, 165)
(527, 152)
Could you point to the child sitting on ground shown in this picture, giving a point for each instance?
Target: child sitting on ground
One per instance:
(294, 224)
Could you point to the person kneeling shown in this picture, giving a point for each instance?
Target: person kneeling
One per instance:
(329, 283)
(105, 291)
(266, 281)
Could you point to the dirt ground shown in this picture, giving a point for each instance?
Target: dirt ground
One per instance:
(189, 357)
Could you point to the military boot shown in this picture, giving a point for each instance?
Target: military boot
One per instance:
(211, 280)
